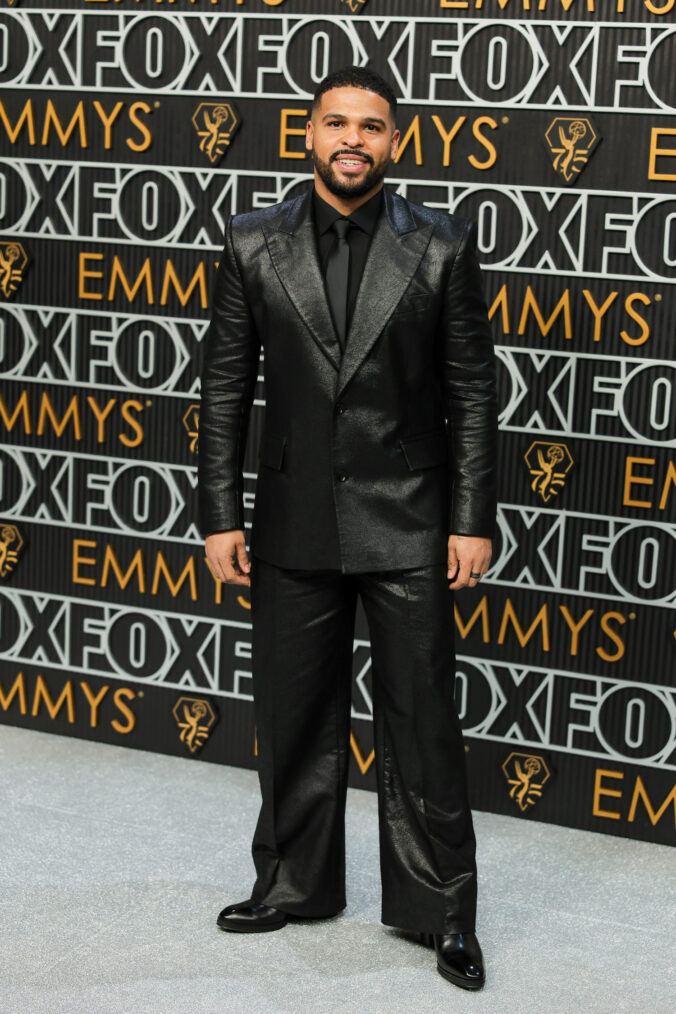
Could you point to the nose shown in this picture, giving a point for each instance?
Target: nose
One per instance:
(352, 137)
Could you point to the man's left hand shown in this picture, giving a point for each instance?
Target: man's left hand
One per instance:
(468, 560)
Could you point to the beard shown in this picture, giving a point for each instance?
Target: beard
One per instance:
(349, 188)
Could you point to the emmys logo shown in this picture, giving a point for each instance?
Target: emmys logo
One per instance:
(571, 142)
(11, 545)
(195, 718)
(526, 775)
(355, 5)
(13, 261)
(215, 123)
(191, 421)
(549, 464)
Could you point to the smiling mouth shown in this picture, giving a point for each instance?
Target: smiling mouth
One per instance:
(350, 160)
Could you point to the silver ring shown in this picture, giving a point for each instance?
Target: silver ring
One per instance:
(477, 577)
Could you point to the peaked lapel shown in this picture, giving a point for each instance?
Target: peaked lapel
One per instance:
(293, 250)
(397, 248)
(395, 252)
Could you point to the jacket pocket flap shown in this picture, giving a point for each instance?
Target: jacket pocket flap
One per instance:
(271, 451)
(426, 450)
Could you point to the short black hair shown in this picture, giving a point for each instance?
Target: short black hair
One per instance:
(357, 77)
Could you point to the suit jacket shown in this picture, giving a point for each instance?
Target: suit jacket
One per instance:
(367, 462)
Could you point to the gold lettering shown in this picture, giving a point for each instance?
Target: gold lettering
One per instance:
(127, 407)
(480, 611)
(613, 635)
(655, 152)
(575, 628)
(653, 816)
(118, 698)
(53, 707)
(47, 411)
(18, 687)
(669, 480)
(598, 311)
(447, 137)
(110, 563)
(501, 302)
(285, 132)
(79, 561)
(509, 616)
(412, 132)
(143, 128)
(144, 275)
(483, 140)
(170, 277)
(188, 571)
(630, 480)
(601, 790)
(25, 116)
(531, 303)
(107, 120)
(94, 701)
(51, 117)
(84, 272)
(21, 408)
(666, 7)
(645, 328)
(101, 415)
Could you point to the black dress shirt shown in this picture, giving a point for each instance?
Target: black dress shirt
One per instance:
(365, 218)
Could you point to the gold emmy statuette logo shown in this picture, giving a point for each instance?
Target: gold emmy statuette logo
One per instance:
(11, 545)
(191, 421)
(549, 464)
(13, 261)
(195, 718)
(570, 140)
(526, 775)
(215, 123)
(355, 5)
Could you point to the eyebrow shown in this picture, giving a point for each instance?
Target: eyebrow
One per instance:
(366, 119)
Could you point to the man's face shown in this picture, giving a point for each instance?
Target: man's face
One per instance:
(352, 140)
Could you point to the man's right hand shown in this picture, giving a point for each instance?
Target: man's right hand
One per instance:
(227, 556)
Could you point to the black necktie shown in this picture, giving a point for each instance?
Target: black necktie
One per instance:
(337, 274)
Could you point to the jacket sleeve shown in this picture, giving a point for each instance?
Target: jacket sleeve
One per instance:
(228, 377)
(469, 392)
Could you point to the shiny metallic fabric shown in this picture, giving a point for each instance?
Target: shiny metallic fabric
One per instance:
(369, 460)
(303, 625)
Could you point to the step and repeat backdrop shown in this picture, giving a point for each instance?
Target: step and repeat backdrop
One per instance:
(129, 131)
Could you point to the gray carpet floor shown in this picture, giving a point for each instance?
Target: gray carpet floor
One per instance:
(116, 862)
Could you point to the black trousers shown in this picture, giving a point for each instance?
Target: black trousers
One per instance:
(302, 648)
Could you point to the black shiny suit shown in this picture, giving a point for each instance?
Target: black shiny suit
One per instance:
(368, 462)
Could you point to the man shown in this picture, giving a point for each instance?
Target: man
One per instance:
(377, 478)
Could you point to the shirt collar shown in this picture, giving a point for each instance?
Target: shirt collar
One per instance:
(365, 216)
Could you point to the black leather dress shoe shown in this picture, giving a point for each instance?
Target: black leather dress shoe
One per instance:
(250, 917)
(459, 958)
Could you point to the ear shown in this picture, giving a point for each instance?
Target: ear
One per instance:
(309, 135)
(394, 144)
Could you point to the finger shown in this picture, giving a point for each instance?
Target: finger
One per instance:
(233, 575)
(242, 558)
(215, 567)
(462, 577)
(452, 562)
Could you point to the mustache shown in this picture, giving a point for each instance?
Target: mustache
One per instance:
(351, 154)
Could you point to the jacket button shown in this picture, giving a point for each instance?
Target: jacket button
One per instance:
(340, 476)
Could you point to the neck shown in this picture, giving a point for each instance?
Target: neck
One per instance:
(345, 205)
